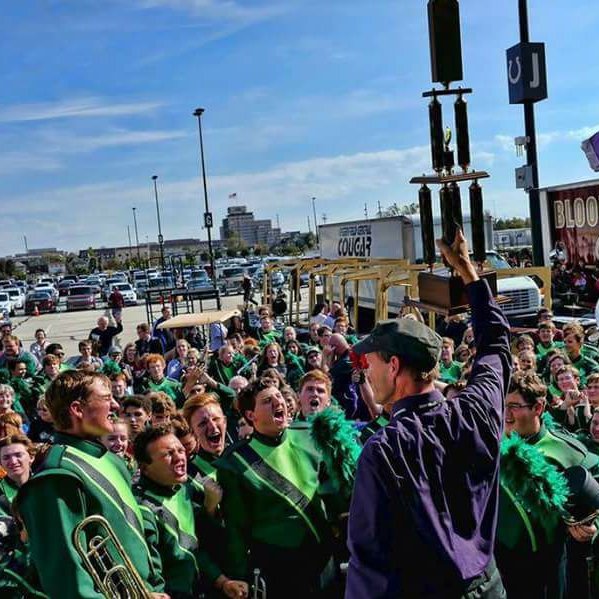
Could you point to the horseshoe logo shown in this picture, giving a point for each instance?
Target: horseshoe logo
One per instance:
(514, 79)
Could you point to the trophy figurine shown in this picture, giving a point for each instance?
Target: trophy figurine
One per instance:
(440, 290)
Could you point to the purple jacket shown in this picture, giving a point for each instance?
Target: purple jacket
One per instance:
(424, 509)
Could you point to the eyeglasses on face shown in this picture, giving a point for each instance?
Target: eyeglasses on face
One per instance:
(517, 406)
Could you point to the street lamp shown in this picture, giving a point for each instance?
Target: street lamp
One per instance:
(130, 252)
(207, 214)
(136, 238)
(315, 221)
(160, 237)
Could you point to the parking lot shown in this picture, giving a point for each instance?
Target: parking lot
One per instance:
(68, 328)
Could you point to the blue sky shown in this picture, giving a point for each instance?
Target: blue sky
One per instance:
(303, 98)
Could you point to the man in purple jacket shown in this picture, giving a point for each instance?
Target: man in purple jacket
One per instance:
(424, 509)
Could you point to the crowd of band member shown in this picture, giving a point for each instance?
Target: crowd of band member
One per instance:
(203, 458)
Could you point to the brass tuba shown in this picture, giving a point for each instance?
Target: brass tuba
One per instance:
(107, 562)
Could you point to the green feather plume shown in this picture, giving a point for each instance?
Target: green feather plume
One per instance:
(111, 368)
(549, 421)
(538, 485)
(337, 440)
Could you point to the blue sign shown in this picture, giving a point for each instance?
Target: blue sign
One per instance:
(526, 73)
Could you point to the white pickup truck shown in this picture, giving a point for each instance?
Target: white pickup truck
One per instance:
(399, 237)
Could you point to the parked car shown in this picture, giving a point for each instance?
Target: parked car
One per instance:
(141, 287)
(63, 286)
(93, 282)
(17, 297)
(230, 279)
(161, 283)
(107, 287)
(42, 299)
(49, 289)
(6, 305)
(127, 291)
(199, 284)
(81, 297)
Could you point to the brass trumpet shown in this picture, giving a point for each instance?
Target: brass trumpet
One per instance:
(101, 560)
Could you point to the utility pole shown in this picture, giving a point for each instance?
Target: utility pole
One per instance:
(160, 237)
(380, 211)
(534, 198)
(527, 84)
(198, 112)
(130, 251)
(315, 221)
(136, 238)
(365, 210)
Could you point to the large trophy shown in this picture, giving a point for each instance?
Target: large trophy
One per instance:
(441, 290)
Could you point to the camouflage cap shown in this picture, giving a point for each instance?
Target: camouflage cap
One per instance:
(409, 339)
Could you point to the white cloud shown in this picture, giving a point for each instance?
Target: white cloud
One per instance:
(98, 214)
(73, 108)
(15, 162)
(219, 9)
(69, 143)
(545, 139)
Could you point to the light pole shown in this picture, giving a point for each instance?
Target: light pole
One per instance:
(207, 214)
(160, 238)
(130, 252)
(534, 197)
(315, 221)
(136, 238)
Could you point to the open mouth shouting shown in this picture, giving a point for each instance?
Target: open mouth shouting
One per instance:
(280, 416)
(180, 469)
(214, 440)
(314, 405)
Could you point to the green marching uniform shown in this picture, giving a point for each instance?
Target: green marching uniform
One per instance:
(171, 526)
(564, 451)
(78, 478)
(202, 465)
(585, 367)
(374, 425)
(450, 373)
(169, 386)
(223, 373)
(530, 546)
(296, 368)
(17, 578)
(272, 508)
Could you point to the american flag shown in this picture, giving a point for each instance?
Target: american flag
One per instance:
(232, 196)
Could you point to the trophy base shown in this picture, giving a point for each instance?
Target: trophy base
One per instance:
(446, 294)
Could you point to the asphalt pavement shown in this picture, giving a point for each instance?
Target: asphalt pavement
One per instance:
(68, 328)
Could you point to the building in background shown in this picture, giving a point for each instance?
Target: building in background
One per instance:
(239, 224)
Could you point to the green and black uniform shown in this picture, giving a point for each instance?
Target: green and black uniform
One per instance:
(451, 372)
(222, 373)
(171, 387)
(374, 425)
(585, 367)
(17, 577)
(273, 509)
(75, 479)
(296, 368)
(171, 524)
(202, 465)
(564, 451)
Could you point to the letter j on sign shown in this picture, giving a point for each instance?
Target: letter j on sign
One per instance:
(526, 73)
